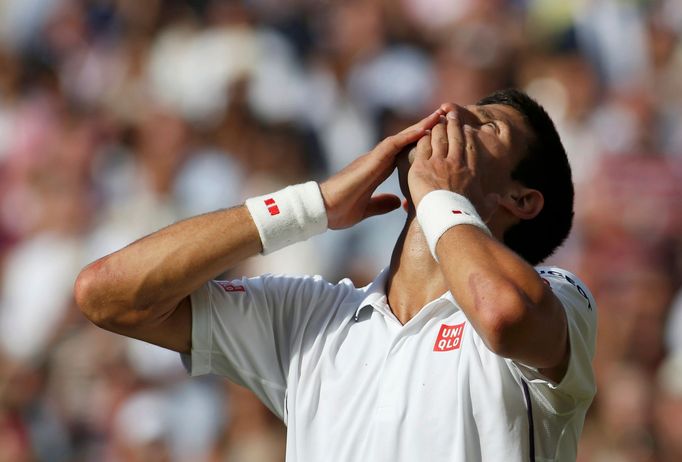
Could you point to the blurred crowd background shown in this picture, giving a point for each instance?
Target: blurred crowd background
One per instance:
(118, 117)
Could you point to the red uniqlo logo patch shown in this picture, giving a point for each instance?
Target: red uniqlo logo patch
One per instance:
(229, 287)
(272, 207)
(449, 337)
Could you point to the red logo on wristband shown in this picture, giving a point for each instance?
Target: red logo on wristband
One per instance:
(460, 212)
(272, 207)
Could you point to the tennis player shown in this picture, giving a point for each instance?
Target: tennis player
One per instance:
(460, 350)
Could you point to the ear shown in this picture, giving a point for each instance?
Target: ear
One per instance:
(524, 203)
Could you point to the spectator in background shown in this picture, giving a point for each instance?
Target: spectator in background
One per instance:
(668, 409)
(128, 113)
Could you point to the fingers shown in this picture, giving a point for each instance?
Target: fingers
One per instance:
(439, 141)
(427, 122)
(455, 136)
(447, 107)
(381, 204)
(392, 145)
(423, 149)
(470, 148)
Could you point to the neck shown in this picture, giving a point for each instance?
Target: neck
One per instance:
(414, 276)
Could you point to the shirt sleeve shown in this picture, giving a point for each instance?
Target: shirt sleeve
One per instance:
(578, 384)
(245, 330)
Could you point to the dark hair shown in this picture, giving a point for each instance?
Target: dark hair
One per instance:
(545, 167)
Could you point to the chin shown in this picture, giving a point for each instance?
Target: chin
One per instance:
(403, 162)
(407, 154)
(412, 154)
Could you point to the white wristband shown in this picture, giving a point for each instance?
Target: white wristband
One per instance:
(440, 210)
(290, 215)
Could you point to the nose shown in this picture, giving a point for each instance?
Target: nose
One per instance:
(464, 115)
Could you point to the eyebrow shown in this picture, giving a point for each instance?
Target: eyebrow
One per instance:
(499, 124)
(486, 113)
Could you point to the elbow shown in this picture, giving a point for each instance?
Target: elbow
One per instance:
(90, 296)
(499, 336)
(502, 322)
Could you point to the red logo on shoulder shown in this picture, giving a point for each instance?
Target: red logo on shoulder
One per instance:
(229, 287)
(449, 337)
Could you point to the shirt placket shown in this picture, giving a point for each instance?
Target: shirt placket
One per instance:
(393, 386)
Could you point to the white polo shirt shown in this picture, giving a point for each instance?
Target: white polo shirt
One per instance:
(354, 384)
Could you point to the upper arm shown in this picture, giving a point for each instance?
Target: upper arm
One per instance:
(513, 311)
(574, 376)
(247, 329)
(557, 342)
(534, 334)
(251, 324)
(547, 346)
(174, 331)
(519, 319)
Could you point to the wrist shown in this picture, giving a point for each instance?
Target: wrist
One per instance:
(287, 216)
(440, 210)
(419, 192)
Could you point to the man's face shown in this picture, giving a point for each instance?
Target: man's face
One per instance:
(501, 136)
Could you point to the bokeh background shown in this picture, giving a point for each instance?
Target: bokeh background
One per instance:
(118, 117)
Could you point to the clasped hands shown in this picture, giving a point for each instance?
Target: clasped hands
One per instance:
(445, 157)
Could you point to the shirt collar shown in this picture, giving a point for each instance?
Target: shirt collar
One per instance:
(376, 297)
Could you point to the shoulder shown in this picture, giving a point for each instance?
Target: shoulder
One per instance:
(272, 290)
(309, 284)
(578, 382)
(567, 287)
(280, 283)
(298, 293)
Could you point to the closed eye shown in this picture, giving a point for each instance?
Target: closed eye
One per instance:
(494, 126)
(486, 118)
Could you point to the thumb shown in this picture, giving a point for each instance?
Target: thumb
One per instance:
(381, 204)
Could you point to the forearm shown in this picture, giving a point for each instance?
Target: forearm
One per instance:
(143, 290)
(512, 310)
(506, 301)
(147, 279)
(469, 258)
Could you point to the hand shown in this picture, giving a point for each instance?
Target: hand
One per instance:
(447, 159)
(348, 194)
